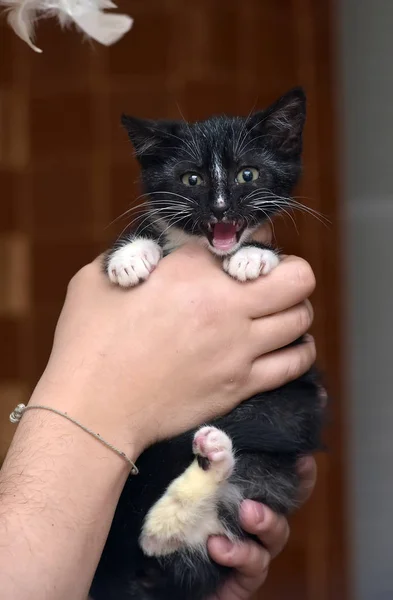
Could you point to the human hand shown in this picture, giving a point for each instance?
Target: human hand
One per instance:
(185, 346)
(251, 560)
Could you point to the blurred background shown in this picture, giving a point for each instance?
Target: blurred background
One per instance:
(67, 171)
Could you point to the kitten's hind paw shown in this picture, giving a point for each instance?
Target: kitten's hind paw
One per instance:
(158, 544)
(213, 449)
(186, 514)
(133, 262)
(250, 262)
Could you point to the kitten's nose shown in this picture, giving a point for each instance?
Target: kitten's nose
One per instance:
(219, 211)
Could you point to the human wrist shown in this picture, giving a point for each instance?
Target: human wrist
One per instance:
(121, 423)
(47, 443)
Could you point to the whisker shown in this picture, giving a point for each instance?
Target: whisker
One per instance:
(148, 215)
(271, 225)
(283, 201)
(241, 150)
(243, 132)
(174, 194)
(302, 206)
(169, 226)
(283, 211)
(193, 139)
(168, 210)
(173, 206)
(280, 206)
(124, 214)
(152, 202)
(245, 146)
(183, 141)
(294, 201)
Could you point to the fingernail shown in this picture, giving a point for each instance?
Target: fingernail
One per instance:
(223, 545)
(308, 338)
(254, 510)
(303, 464)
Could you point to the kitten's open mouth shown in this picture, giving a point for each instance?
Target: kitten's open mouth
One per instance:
(224, 236)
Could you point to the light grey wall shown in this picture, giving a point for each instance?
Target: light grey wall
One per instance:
(366, 63)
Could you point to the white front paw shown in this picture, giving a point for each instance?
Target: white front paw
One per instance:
(250, 262)
(133, 263)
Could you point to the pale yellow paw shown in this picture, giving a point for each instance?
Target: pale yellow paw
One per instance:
(158, 545)
(186, 515)
(166, 525)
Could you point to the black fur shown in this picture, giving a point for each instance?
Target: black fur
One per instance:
(271, 430)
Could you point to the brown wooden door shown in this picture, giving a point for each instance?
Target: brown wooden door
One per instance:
(66, 172)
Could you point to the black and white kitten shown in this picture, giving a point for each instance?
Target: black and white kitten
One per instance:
(214, 181)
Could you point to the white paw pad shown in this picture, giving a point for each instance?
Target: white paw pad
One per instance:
(250, 262)
(134, 262)
(216, 446)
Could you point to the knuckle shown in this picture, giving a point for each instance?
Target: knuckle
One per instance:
(292, 371)
(304, 317)
(237, 378)
(295, 367)
(275, 523)
(75, 280)
(84, 274)
(303, 358)
(279, 532)
(310, 352)
(265, 560)
(283, 532)
(270, 521)
(310, 310)
(258, 561)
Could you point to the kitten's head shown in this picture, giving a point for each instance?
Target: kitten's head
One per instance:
(219, 179)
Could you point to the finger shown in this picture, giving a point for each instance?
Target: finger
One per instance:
(250, 560)
(272, 529)
(307, 471)
(263, 234)
(290, 283)
(91, 274)
(277, 368)
(276, 331)
(98, 259)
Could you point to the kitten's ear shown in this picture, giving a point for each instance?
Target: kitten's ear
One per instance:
(148, 136)
(281, 125)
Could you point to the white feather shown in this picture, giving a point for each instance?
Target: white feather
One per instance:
(88, 15)
(21, 18)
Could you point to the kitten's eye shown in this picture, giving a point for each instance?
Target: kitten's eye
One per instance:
(191, 179)
(247, 175)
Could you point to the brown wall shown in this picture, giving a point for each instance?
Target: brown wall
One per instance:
(66, 172)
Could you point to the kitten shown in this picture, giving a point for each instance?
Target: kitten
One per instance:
(214, 181)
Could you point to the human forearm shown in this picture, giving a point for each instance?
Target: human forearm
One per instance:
(58, 491)
(128, 366)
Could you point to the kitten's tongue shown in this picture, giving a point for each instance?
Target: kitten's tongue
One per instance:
(224, 236)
